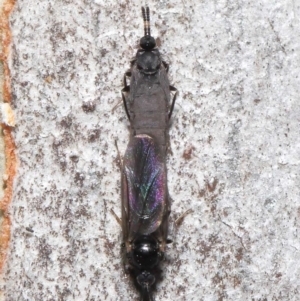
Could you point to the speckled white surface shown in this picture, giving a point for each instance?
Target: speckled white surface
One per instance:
(234, 139)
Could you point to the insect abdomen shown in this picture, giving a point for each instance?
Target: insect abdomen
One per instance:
(149, 111)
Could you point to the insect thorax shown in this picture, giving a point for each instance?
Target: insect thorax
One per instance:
(148, 62)
(145, 254)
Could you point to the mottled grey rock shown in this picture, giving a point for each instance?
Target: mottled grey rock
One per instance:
(234, 140)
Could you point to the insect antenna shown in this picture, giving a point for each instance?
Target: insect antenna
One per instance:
(147, 42)
(146, 17)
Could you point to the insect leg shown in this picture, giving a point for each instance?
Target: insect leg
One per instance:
(116, 106)
(119, 221)
(166, 65)
(176, 224)
(180, 219)
(173, 101)
(119, 156)
(125, 103)
(124, 92)
(128, 74)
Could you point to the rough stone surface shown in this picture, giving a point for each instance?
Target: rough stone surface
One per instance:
(234, 140)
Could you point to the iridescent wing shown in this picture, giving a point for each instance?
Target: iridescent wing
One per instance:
(144, 190)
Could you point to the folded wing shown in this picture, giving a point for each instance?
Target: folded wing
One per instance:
(144, 186)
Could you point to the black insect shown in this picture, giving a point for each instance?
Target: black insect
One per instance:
(145, 198)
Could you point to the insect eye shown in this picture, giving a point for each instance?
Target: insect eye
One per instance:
(147, 42)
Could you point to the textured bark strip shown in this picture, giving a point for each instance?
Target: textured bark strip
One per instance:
(10, 156)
